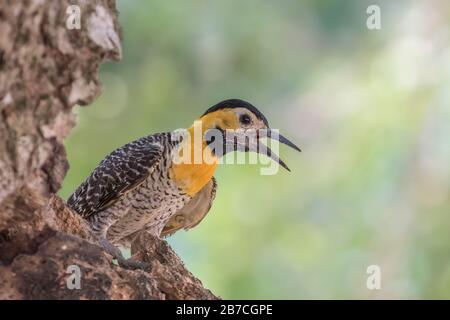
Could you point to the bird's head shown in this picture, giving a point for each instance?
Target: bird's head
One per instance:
(236, 125)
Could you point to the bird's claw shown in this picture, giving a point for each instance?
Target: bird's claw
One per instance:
(121, 261)
(133, 264)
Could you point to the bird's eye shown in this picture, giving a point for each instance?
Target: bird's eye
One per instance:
(245, 119)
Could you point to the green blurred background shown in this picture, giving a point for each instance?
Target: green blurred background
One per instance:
(370, 110)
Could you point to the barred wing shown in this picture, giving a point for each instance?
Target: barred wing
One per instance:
(121, 171)
(193, 212)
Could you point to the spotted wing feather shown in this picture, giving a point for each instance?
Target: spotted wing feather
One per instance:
(193, 212)
(121, 171)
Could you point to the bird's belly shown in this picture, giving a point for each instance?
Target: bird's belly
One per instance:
(149, 207)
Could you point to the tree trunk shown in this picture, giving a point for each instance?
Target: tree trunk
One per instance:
(46, 68)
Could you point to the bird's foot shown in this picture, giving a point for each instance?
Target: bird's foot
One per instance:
(121, 261)
(133, 264)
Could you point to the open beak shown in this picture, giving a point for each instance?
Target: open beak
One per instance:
(265, 150)
(249, 140)
(277, 136)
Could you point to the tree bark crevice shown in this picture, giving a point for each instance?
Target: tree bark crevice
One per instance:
(45, 70)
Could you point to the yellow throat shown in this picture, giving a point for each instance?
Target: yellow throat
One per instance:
(199, 164)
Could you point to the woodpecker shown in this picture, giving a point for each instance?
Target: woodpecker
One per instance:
(143, 185)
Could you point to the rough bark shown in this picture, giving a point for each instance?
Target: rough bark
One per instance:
(46, 69)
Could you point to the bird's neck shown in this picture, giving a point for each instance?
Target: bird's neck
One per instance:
(194, 162)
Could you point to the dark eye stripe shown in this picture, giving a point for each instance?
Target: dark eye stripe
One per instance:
(245, 119)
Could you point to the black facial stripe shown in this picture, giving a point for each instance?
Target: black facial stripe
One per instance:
(209, 139)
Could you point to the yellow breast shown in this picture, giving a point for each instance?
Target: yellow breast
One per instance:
(195, 169)
(191, 178)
